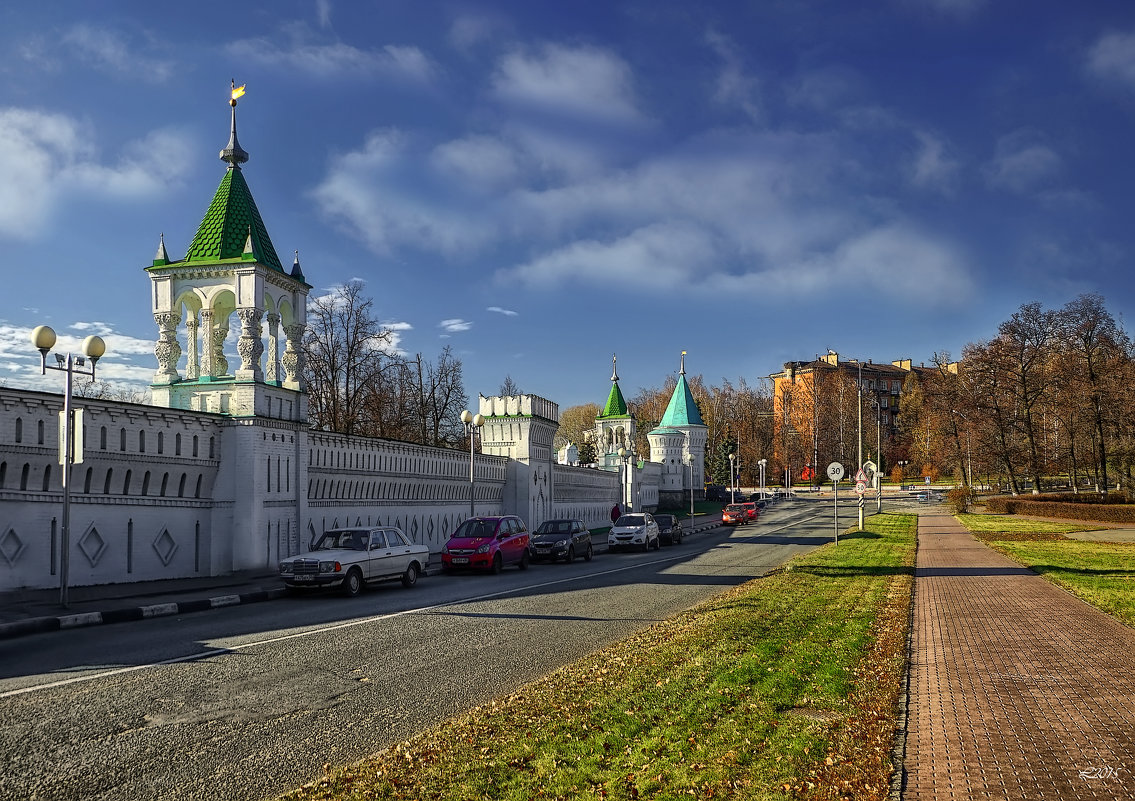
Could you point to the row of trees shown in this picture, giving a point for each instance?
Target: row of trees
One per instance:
(359, 384)
(1050, 395)
(1048, 399)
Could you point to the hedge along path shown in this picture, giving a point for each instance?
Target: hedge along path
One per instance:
(786, 685)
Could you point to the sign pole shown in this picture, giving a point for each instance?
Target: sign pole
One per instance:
(835, 503)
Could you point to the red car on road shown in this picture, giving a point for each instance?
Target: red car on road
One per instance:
(487, 543)
(734, 515)
(751, 511)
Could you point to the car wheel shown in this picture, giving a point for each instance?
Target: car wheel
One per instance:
(570, 557)
(498, 563)
(524, 560)
(353, 583)
(410, 577)
(587, 556)
(646, 546)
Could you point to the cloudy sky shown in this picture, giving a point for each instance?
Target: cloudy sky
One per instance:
(541, 184)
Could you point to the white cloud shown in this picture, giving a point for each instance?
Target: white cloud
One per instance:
(1113, 57)
(505, 312)
(662, 256)
(477, 160)
(469, 30)
(45, 157)
(306, 52)
(454, 325)
(934, 167)
(109, 50)
(323, 13)
(734, 86)
(366, 191)
(1023, 163)
(582, 82)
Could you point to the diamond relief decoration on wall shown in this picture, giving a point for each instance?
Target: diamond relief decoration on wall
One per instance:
(414, 530)
(165, 546)
(11, 546)
(92, 545)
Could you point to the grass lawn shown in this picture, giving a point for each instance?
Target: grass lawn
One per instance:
(1101, 573)
(786, 686)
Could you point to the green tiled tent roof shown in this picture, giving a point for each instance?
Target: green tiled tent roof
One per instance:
(616, 406)
(682, 409)
(231, 219)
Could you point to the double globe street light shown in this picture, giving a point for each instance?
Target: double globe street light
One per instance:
(93, 348)
(473, 424)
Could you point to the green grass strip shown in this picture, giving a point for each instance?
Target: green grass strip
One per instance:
(786, 685)
(1100, 573)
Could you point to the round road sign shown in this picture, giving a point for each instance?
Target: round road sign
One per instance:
(835, 471)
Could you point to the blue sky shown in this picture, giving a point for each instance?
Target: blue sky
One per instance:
(541, 184)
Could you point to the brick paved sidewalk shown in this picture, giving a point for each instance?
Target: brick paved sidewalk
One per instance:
(1017, 689)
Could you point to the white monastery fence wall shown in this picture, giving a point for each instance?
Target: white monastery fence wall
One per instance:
(169, 493)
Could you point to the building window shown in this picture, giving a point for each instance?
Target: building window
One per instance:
(19, 429)
(161, 442)
(102, 438)
(142, 442)
(177, 445)
(39, 432)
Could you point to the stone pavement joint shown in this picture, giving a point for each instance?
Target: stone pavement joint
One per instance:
(1017, 689)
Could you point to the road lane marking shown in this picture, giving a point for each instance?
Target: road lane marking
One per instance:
(202, 655)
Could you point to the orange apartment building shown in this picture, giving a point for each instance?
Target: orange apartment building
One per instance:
(816, 414)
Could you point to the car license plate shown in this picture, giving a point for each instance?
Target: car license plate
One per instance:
(460, 560)
(303, 578)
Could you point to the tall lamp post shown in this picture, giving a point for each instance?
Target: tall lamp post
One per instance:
(626, 455)
(473, 423)
(761, 464)
(93, 348)
(732, 480)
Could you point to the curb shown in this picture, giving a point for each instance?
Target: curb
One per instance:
(40, 625)
(37, 625)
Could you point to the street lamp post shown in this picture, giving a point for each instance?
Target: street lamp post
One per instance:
(625, 455)
(473, 423)
(732, 480)
(93, 348)
(762, 463)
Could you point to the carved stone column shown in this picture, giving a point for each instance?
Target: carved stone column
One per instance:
(293, 356)
(250, 346)
(208, 355)
(192, 371)
(220, 363)
(166, 348)
(272, 367)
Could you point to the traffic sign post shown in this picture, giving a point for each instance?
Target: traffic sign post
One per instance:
(835, 473)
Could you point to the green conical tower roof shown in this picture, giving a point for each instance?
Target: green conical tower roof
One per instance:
(233, 228)
(682, 409)
(616, 406)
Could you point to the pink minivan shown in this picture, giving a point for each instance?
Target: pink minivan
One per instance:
(487, 543)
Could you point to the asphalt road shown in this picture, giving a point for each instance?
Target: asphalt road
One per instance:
(250, 701)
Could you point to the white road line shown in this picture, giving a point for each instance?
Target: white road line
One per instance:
(349, 624)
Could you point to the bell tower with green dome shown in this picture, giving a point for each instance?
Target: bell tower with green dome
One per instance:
(231, 271)
(679, 444)
(614, 426)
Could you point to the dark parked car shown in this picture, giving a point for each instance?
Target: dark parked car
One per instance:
(561, 539)
(669, 529)
(716, 492)
(487, 543)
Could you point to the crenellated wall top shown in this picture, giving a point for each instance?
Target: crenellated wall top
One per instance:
(519, 406)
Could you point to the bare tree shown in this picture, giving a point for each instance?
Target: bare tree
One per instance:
(343, 352)
(509, 387)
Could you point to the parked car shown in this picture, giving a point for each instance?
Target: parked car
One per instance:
(561, 539)
(669, 529)
(734, 515)
(751, 510)
(634, 531)
(487, 543)
(716, 492)
(351, 558)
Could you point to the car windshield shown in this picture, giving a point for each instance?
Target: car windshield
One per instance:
(554, 527)
(629, 521)
(734, 508)
(349, 540)
(664, 520)
(475, 528)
